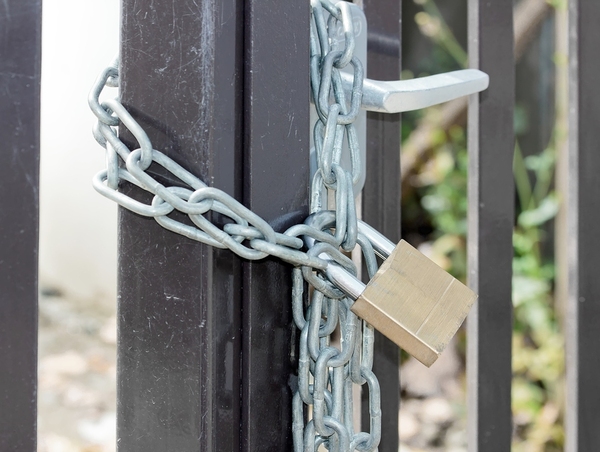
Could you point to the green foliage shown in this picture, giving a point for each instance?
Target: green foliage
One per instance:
(432, 24)
(441, 203)
(558, 4)
(538, 361)
(538, 357)
(443, 196)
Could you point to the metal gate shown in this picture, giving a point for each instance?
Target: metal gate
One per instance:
(205, 338)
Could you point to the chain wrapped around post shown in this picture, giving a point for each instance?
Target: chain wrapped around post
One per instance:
(328, 369)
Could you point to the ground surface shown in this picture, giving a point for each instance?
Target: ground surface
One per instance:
(77, 374)
(77, 395)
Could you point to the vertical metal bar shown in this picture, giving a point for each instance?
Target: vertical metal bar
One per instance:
(491, 213)
(179, 301)
(276, 150)
(381, 195)
(20, 60)
(583, 310)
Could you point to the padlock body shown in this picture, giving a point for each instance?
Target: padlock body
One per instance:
(415, 303)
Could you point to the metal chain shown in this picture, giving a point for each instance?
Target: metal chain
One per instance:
(323, 402)
(328, 372)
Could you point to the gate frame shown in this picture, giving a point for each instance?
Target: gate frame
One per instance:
(20, 78)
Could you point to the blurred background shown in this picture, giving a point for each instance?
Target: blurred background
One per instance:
(434, 207)
(78, 252)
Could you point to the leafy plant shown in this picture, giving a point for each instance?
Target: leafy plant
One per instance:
(438, 213)
(538, 358)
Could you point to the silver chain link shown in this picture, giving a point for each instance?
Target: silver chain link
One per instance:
(336, 348)
(323, 404)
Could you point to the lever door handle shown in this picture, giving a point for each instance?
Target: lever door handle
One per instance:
(391, 96)
(406, 95)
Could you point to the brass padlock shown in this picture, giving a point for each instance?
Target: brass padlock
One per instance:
(410, 300)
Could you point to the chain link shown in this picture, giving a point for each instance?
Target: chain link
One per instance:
(336, 348)
(328, 369)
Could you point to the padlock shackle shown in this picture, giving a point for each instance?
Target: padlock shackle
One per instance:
(343, 280)
(325, 219)
(381, 244)
(338, 275)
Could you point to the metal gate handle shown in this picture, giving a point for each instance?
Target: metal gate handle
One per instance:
(406, 95)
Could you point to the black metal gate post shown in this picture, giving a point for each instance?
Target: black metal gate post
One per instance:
(276, 179)
(20, 71)
(180, 301)
(381, 194)
(491, 213)
(205, 340)
(583, 211)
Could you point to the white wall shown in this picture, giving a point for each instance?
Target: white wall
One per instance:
(77, 225)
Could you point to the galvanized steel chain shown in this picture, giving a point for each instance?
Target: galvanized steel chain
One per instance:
(244, 233)
(328, 367)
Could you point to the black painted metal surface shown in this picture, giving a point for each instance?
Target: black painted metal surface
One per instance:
(222, 89)
(583, 312)
(276, 177)
(180, 301)
(491, 213)
(381, 197)
(20, 60)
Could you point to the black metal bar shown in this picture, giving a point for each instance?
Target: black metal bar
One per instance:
(179, 301)
(381, 199)
(583, 207)
(20, 71)
(383, 44)
(276, 149)
(491, 213)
